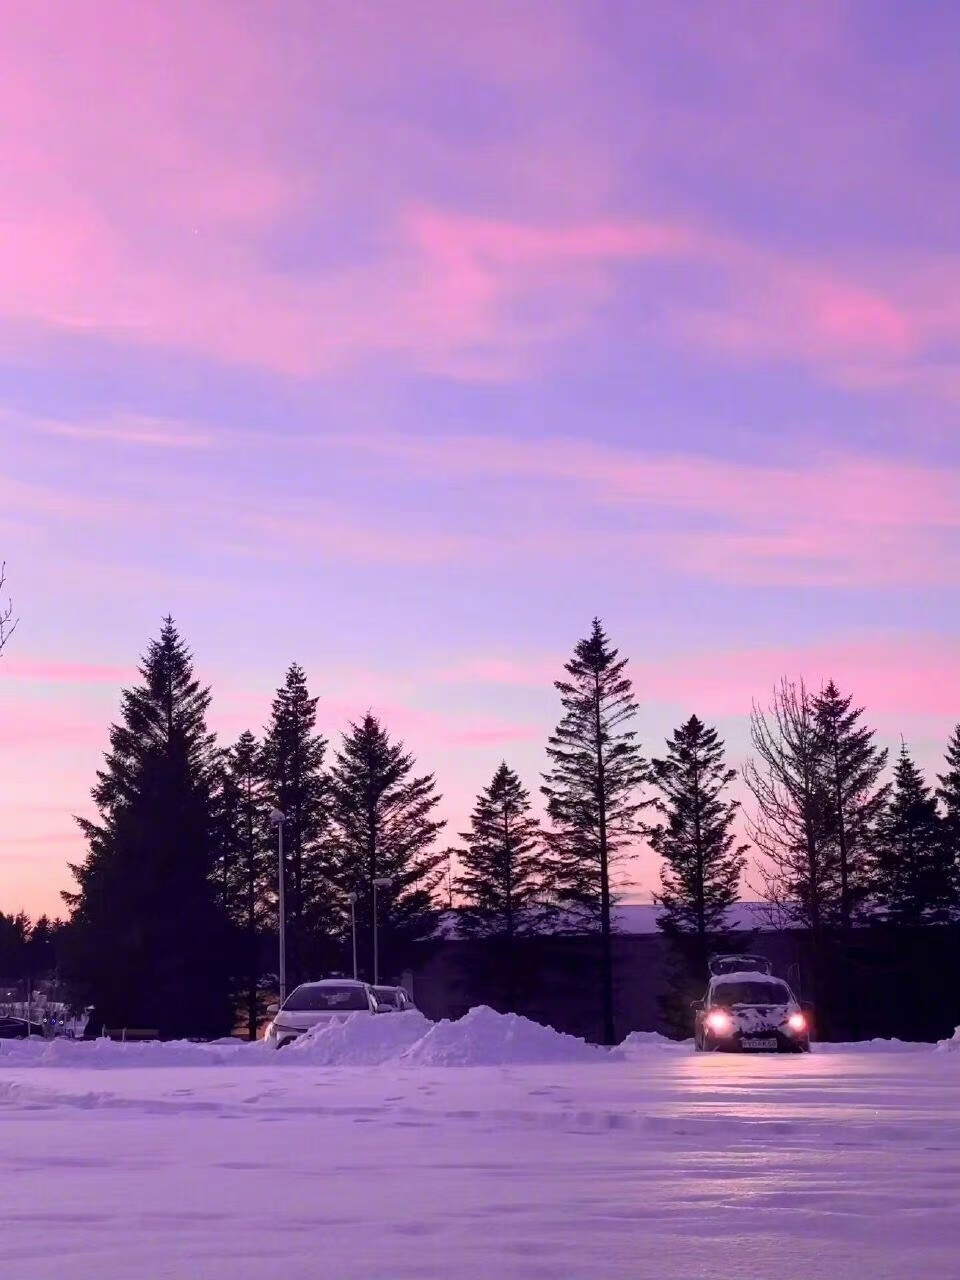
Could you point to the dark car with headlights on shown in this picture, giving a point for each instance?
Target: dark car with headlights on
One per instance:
(747, 1009)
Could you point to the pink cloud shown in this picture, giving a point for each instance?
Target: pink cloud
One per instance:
(909, 675)
(142, 195)
(832, 520)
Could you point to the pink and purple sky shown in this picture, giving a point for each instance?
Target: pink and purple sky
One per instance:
(400, 339)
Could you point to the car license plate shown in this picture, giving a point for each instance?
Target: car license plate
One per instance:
(752, 1042)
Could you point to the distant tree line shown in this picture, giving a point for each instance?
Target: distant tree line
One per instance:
(178, 891)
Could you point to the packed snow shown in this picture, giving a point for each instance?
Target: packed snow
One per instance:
(383, 1149)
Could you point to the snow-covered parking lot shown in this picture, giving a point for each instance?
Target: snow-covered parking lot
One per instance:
(228, 1162)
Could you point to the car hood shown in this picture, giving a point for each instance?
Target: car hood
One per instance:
(757, 1017)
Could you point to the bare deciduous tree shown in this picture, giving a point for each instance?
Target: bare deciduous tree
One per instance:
(8, 623)
(790, 823)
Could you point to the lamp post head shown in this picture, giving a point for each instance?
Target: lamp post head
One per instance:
(277, 817)
(383, 882)
(351, 897)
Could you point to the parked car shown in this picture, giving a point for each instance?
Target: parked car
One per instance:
(393, 999)
(747, 1009)
(315, 1003)
(13, 1028)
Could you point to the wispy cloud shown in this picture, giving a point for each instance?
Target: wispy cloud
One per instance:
(52, 671)
(136, 430)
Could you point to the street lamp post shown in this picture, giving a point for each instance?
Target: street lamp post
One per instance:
(352, 899)
(382, 882)
(277, 818)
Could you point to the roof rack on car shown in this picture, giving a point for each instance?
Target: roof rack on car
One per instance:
(738, 964)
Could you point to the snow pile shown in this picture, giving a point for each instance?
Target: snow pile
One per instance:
(643, 1040)
(950, 1045)
(358, 1041)
(107, 1054)
(877, 1045)
(485, 1038)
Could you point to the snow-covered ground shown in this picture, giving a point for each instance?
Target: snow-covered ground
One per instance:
(552, 1160)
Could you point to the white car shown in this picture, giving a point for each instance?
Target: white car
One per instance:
(315, 1003)
(393, 999)
(747, 1008)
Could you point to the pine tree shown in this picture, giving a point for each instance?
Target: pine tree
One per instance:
(948, 794)
(384, 829)
(246, 864)
(14, 946)
(295, 783)
(703, 862)
(42, 947)
(853, 798)
(790, 825)
(148, 940)
(914, 871)
(502, 862)
(591, 789)
(697, 841)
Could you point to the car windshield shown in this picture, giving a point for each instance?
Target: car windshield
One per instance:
(332, 997)
(750, 993)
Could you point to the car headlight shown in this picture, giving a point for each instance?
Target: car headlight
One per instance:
(719, 1020)
(797, 1022)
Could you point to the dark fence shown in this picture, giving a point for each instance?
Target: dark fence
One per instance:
(876, 982)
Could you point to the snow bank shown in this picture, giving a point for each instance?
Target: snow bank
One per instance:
(950, 1045)
(485, 1038)
(358, 1041)
(107, 1054)
(876, 1045)
(643, 1040)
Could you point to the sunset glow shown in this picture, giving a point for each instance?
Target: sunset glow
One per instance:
(401, 340)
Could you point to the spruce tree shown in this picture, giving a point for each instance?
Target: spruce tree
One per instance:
(591, 793)
(853, 797)
(14, 946)
(148, 939)
(948, 794)
(703, 861)
(914, 878)
(247, 864)
(292, 762)
(384, 828)
(42, 947)
(502, 862)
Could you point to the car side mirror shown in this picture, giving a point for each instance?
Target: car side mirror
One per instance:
(273, 1008)
(696, 1004)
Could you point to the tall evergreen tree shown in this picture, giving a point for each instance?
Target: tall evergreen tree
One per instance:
(14, 946)
(914, 868)
(591, 792)
(384, 828)
(948, 794)
(295, 783)
(500, 884)
(42, 946)
(148, 937)
(247, 864)
(853, 797)
(703, 861)
(790, 824)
